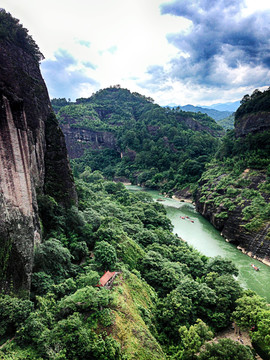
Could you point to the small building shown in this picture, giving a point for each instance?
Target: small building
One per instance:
(107, 279)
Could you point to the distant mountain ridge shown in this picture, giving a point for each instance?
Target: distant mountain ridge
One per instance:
(229, 106)
(213, 113)
(224, 118)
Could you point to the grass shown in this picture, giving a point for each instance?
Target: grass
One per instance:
(132, 306)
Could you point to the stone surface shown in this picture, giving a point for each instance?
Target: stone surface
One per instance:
(32, 154)
(252, 123)
(79, 139)
(254, 243)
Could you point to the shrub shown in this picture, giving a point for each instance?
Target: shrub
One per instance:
(13, 312)
(105, 255)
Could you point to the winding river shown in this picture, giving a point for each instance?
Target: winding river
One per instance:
(199, 233)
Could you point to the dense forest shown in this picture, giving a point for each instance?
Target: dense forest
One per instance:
(166, 300)
(161, 148)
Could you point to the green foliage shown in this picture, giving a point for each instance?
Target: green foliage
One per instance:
(12, 31)
(41, 283)
(258, 101)
(248, 309)
(174, 310)
(13, 312)
(226, 349)
(192, 339)
(85, 299)
(105, 255)
(237, 180)
(53, 259)
(221, 266)
(72, 340)
(169, 288)
(252, 313)
(158, 147)
(228, 122)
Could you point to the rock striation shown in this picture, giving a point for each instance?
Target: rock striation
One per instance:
(252, 123)
(237, 203)
(79, 139)
(232, 227)
(234, 205)
(33, 157)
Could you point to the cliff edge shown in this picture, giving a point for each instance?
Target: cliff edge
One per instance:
(234, 192)
(33, 154)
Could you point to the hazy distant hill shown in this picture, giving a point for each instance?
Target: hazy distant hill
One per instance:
(213, 113)
(229, 106)
(228, 122)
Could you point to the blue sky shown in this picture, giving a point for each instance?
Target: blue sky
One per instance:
(196, 52)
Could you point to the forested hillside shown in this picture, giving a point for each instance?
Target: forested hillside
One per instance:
(165, 293)
(126, 135)
(234, 192)
(106, 277)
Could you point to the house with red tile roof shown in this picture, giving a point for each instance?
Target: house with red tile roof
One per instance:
(107, 279)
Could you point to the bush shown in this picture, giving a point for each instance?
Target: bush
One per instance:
(53, 259)
(13, 313)
(226, 349)
(105, 255)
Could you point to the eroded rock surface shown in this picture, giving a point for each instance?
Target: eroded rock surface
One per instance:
(32, 155)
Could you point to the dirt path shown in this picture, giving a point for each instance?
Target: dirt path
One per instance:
(233, 334)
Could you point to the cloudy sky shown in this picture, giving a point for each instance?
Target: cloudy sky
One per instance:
(181, 52)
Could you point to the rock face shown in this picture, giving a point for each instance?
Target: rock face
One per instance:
(79, 139)
(232, 225)
(33, 157)
(196, 126)
(252, 123)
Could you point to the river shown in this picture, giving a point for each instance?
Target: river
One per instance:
(205, 238)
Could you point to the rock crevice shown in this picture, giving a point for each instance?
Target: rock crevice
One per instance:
(26, 163)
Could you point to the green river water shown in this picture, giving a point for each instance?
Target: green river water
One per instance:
(205, 238)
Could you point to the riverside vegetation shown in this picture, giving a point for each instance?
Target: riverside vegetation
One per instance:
(181, 153)
(168, 300)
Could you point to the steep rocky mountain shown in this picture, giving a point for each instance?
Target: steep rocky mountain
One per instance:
(94, 122)
(234, 192)
(33, 156)
(125, 134)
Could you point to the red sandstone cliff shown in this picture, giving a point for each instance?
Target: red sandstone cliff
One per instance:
(33, 157)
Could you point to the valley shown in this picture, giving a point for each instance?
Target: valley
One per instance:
(205, 238)
(67, 221)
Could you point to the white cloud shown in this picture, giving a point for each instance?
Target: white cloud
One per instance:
(119, 42)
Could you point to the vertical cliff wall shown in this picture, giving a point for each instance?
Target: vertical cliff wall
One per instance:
(234, 192)
(33, 158)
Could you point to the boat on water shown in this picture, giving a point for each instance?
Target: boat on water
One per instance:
(255, 267)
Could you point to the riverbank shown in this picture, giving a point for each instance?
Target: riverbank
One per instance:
(181, 199)
(205, 238)
(249, 253)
